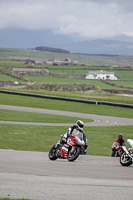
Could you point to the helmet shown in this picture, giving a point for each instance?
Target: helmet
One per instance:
(120, 136)
(80, 124)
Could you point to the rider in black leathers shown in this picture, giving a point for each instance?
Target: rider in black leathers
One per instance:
(78, 126)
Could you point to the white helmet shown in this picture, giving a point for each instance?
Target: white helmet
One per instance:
(80, 124)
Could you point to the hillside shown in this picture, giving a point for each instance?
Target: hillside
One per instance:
(89, 60)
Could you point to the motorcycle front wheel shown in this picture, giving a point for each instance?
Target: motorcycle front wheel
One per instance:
(125, 160)
(52, 153)
(114, 154)
(73, 154)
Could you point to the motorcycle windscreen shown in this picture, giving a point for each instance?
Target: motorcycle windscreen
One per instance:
(130, 142)
(78, 134)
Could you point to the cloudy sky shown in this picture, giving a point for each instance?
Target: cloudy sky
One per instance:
(83, 18)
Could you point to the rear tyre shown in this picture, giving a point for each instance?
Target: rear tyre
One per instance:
(52, 153)
(125, 160)
(73, 154)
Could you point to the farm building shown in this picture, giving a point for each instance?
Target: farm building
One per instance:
(30, 71)
(66, 61)
(101, 75)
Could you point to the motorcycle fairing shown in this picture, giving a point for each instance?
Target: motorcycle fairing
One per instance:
(63, 152)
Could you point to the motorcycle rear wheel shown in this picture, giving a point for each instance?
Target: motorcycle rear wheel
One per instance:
(73, 155)
(125, 160)
(52, 154)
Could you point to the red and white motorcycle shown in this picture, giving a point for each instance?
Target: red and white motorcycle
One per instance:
(117, 150)
(126, 158)
(71, 150)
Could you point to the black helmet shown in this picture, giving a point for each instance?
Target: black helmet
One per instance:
(80, 124)
(120, 136)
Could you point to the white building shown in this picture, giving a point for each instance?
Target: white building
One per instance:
(101, 75)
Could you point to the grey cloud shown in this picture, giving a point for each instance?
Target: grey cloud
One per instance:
(84, 18)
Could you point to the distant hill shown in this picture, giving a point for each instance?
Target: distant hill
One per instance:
(101, 47)
(27, 39)
(51, 49)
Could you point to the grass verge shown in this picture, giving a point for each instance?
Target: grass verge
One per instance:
(21, 116)
(41, 139)
(95, 96)
(16, 100)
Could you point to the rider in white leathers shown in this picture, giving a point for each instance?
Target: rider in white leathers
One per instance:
(77, 127)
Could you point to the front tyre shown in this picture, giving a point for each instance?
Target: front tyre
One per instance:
(73, 154)
(52, 153)
(114, 153)
(125, 160)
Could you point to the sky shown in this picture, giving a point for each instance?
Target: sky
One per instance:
(95, 19)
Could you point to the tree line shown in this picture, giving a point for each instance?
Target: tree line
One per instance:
(51, 49)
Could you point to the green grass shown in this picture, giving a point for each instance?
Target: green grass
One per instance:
(91, 60)
(70, 71)
(4, 77)
(21, 116)
(8, 64)
(78, 95)
(55, 80)
(96, 83)
(41, 139)
(24, 101)
(123, 84)
(124, 75)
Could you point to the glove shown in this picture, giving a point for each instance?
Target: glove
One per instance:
(63, 139)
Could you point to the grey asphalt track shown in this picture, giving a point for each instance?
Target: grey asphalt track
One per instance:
(97, 118)
(32, 175)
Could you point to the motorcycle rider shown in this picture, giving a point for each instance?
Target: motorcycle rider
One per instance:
(76, 127)
(121, 142)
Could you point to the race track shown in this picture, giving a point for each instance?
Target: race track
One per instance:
(97, 118)
(32, 175)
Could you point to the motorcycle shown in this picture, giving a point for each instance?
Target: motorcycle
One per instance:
(117, 150)
(71, 150)
(126, 158)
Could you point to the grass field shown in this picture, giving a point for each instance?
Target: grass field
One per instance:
(124, 75)
(10, 58)
(96, 83)
(4, 77)
(82, 59)
(17, 100)
(123, 84)
(55, 80)
(40, 138)
(95, 96)
(20, 116)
